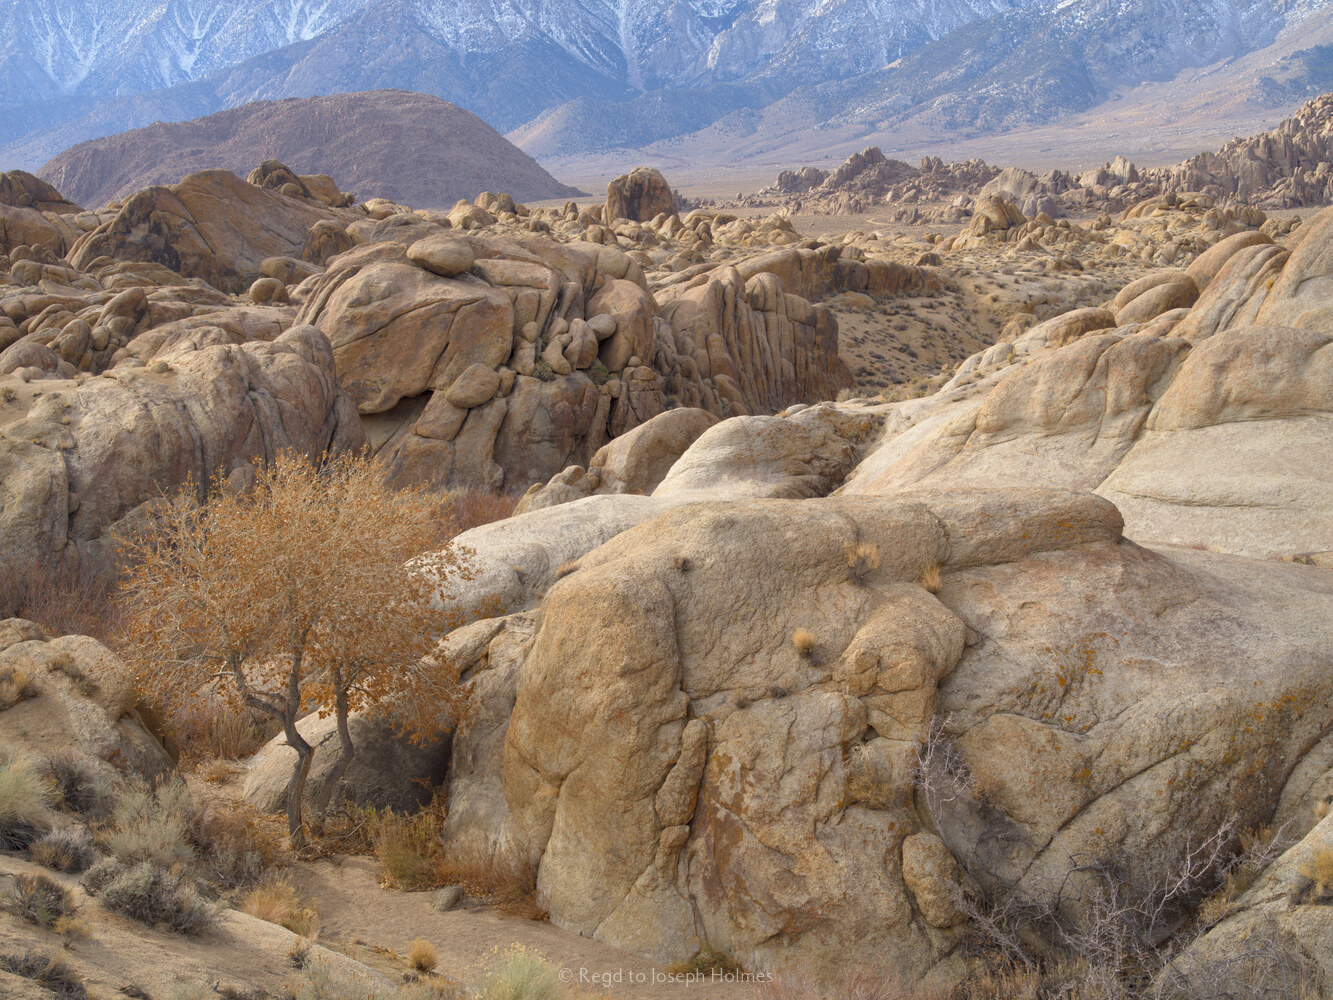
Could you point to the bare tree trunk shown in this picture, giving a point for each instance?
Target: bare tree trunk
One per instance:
(296, 787)
(348, 751)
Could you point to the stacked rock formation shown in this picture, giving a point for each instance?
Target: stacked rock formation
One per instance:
(201, 326)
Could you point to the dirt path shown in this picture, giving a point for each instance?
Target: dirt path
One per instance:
(370, 922)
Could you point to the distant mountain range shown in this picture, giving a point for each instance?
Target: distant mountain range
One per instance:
(581, 75)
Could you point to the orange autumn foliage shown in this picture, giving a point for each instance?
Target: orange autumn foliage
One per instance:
(316, 588)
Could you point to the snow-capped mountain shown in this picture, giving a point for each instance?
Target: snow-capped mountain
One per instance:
(54, 48)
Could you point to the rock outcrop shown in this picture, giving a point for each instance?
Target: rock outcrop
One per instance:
(639, 196)
(639, 772)
(79, 455)
(480, 360)
(212, 225)
(1188, 411)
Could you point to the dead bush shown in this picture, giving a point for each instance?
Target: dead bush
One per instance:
(409, 849)
(237, 844)
(76, 789)
(65, 849)
(66, 598)
(463, 510)
(207, 730)
(510, 886)
(51, 972)
(39, 900)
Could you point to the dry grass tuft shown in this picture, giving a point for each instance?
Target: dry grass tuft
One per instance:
(15, 686)
(509, 885)
(1318, 868)
(277, 902)
(804, 640)
(565, 568)
(421, 955)
(708, 962)
(931, 579)
(863, 558)
(409, 850)
(214, 772)
(1323, 807)
(24, 814)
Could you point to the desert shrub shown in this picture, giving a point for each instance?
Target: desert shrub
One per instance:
(277, 901)
(74, 786)
(65, 599)
(421, 955)
(509, 885)
(543, 371)
(931, 579)
(150, 894)
(24, 813)
(237, 845)
(599, 373)
(15, 686)
(51, 972)
(804, 640)
(65, 849)
(522, 975)
(153, 824)
(274, 596)
(39, 900)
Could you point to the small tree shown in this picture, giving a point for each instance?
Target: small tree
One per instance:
(295, 595)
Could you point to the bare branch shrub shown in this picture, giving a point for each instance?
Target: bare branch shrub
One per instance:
(296, 594)
(1121, 925)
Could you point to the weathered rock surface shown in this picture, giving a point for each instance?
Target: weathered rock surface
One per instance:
(212, 225)
(77, 456)
(497, 362)
(656, 769)
(83, 702)
(1194, 425)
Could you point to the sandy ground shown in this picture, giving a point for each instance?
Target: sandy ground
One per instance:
(372, 925)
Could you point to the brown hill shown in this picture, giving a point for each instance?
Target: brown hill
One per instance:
(411, 148)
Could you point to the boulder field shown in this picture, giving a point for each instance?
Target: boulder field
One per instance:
(756, 672)
(193, 329)
(1091, 575)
